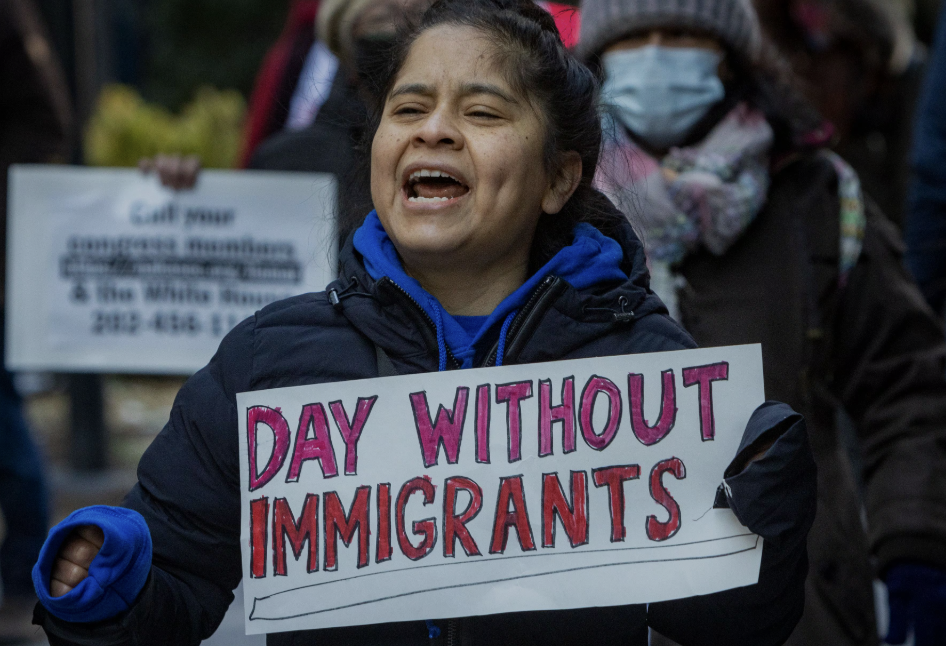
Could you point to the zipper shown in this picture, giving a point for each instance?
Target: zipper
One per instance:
(430, 321)
(517, 323)
(452, 632)
(521, 318)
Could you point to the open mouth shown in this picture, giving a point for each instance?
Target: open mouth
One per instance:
(427, 186)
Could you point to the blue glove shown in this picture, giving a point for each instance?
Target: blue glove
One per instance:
(918, 601)
(117, 574)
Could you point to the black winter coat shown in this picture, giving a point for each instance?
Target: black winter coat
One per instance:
(188, 488)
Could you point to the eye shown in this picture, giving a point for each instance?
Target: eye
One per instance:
(407, 109)
(483, 113)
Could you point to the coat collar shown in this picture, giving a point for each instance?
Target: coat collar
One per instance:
(393, 320)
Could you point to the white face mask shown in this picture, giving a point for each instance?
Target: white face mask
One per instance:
(660, 93)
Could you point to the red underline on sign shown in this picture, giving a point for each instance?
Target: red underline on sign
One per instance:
(500, 580)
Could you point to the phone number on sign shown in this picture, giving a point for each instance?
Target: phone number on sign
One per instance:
(134, 322)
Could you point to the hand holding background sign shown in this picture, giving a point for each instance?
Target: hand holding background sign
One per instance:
(176, 172)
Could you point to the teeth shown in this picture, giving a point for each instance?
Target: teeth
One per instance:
(417, 174)
(428, 200)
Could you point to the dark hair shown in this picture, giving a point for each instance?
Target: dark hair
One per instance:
(564, 91)
(769, 84)
(860, 28)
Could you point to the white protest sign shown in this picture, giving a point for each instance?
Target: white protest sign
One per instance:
(110, 272)
(531, 487)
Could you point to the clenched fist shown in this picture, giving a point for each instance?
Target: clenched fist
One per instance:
(74, 559)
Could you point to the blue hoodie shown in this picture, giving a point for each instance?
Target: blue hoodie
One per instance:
(592, 258)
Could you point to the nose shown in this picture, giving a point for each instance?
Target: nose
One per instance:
(438, 130)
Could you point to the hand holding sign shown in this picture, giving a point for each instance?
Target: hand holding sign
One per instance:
(496, 490)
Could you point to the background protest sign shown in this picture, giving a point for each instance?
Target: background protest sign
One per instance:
(534, 487)
(110, 272)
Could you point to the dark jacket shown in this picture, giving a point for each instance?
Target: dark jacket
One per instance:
(278, 77)
(872, 349)
(926, 226)
(188, 487)
(330, 145)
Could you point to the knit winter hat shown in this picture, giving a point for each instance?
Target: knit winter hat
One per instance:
(734, 22)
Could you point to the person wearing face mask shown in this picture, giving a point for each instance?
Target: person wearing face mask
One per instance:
(358, 35)
(756, 234)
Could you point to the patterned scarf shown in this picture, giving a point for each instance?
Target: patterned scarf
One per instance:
(708, 194)
(703, 195)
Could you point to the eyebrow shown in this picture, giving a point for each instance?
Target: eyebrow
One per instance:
(466, 89)
(413, 88)
(487, 88)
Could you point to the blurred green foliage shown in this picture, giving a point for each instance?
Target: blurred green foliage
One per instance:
(220, 43)
(124, 128)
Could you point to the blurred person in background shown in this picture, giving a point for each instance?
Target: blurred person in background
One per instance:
(358, 34)
(861, 66)
(292, 82)
(319, 129)
(756, 233)
(34, 128)
(926, 225)
(311, 117)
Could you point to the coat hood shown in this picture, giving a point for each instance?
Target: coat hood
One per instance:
(391, 311)
(591, 259)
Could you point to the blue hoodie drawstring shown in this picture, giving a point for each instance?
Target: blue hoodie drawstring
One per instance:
(441, 341)
(501, 349)
(433, 631)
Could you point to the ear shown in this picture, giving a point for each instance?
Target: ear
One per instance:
(564, 183)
